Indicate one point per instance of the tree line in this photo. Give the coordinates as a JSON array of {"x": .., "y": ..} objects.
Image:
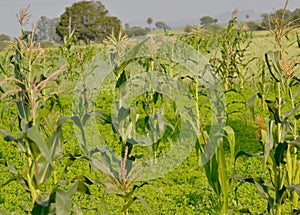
[{"x": 92, "y": 22}]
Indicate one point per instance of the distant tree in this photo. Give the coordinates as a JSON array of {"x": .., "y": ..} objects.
[
  {"x": 46, "y": 29},
  {"x": 161, "y": 25},
  {"x": 267, "y": 18},
  {"x": 287, "y": 14},
  {"x": 253, "y": 26},
  {"x": 136, "y": 31},
  {"x": 31, "y": 34},
  {"x": 296, "y": 16},
  {"x": 3, "y": 39},
  {"x": 126, "y": 25},
  {"x": 53, "y": 36},
  {"x": 42, "y": 28},
  {"x": 149, "y": 21},
  {"x": 208, "y": 20},
  {"x": 247, "y": 17},
  {"x": 90, "y": 21},
  {"x": 188, "y": 28}
]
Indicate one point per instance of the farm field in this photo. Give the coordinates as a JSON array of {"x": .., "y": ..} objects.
[{"x": 196, "y": 123}]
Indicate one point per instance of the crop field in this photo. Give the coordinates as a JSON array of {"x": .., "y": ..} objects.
[{"x": 169, "y": 123}]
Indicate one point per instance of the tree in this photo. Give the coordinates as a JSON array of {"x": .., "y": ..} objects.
[
  {"x": 3, "y": 39},
  {"x": 46, "y": 29},
  {"x": 268, "y": 19},
  {"x": 208, "y": 20},
  {"x": 188, "y": 28},
  {"x": 136, "y": 31},
  {"x": 161, "y": 25},
  {"x": 296, "y": 16},
  {"x": 89, "y": 20},
  {"x": 149, "y": 21}
]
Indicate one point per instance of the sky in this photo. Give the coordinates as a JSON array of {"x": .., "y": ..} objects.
[{"x": 136, "y": 12}]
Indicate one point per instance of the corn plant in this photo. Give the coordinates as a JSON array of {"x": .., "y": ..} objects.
[
  {"x": 200, "y": 39},
  {"x": 76, "y": 55},
  {"x": 120, "y": 176},
  {"x": 217, "y": 168},
  {"x": 121, "y": 182},
  {"x": 34, "y": 100},
  {"x": 231, "y": 64},
  {"x": 280, "y": 138}
]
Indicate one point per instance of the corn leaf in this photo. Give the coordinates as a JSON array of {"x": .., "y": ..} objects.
[
  {"x": 269, "y": 141},
  {"x": 63, "y": 200},
  {"x": 231, "y": 140}
]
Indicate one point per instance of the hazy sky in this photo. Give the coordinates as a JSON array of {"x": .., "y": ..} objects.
[{"x": 136, "y": 11}]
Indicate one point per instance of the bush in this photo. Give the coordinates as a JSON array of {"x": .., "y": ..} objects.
[
  {"x": 3, "y": 39},
  {"x": 48, "y": 44},
  {"x": 253, "y": 26},
  {"x": 136, "y": 31},
  {"x": 188, "y": 28}
]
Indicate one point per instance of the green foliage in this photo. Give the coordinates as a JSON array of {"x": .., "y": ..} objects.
[
  {"x": 280, "y": 137},
  {"x": 46, "y": 29},
  {"x": 136, "y": 31},
  {"x": 253, "y": 26},
  {"x": 31, "y": 97},
  {"x": 3, "y": 41},
  {"x": 89, "y": 20},
  {"x": 231, "y": 65},
  {"x": 255, "y": 168},
  {"x": 149, "y": 21},
  {"x": 161, "y": 25},
  {"x": 286, "y": 16},
  {"x": 208, "y": 20}
]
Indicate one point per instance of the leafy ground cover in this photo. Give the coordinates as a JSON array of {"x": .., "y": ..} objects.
[{"x": 51, "y": 162}]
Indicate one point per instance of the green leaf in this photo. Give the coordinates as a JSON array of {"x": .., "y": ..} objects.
[
  {"x": 34, "y": 134},
  {"x": 63, "y": 200},
  {"x": 279, "y": 153},
  {"x": 23, "y": 109},
  {"x": 77, "y": 122},
  {"x": 291, "y": 112},
  {"x": 103, "y": 117},
  {"x": 128, "y": 204},
  {"x": 40, "y": 209},
  {"x": 43, "y": 170},
  {"x": 251, "y": 103},
  {"x": 222, "y": 175},
  {"x": 212, "y": 174},
  {"x": 83, "y": 188},
  {"x": 296, "y": 142},
  {"x": 17, "y": 177},
  {"x": 295, "y": 188},
  {"x": 247, "y": 154},
  {"x": 2, "y": 212},
  {"x": 7, "y": 136},
  {"x": 273, "y": 109},
  {"x": 275, "y": 58},
  {"x": 77, "y": 210},
  {"x": 121, "y": 79},
  {"x": 144, "y": 202},
  {"x": 56, "y": 144},
  {"x": 269, "y": 141},
  {"x": 261, "y": 188},
  {"x": 231, "y": 141},
  {"x": 133, "y": 52}
]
